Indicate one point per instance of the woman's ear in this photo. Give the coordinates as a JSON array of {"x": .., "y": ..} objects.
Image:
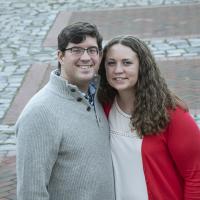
[{"x": 60, "y": 56}]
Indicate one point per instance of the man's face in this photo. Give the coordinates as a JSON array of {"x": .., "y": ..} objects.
[{"x": 80, "y": 69}]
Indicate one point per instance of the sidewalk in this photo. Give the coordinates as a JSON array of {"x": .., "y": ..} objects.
[
  {"x": 8, "y": 178},
  {"x": 27, "y": 50}
]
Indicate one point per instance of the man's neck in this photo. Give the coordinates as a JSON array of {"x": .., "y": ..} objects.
[{"x": 82, "y": 87}]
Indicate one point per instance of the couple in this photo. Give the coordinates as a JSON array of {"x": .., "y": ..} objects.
[{"x": 67, "y": 150}]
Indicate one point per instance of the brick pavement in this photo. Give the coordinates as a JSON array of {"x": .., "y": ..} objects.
[
  {"x": 8, "y": 179},
  {"x": 146, "y": 23},
  {"x": 25, "y": 46}
]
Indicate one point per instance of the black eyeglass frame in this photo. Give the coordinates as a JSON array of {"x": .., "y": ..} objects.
[{"x": 82, "y": 50}]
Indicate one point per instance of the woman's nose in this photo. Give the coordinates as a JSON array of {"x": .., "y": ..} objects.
[{"x": 118, "y": 68}]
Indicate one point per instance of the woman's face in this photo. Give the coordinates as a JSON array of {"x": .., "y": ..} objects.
[{"x": 122, "y": 67}]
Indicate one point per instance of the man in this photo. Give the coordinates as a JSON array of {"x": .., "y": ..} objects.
[{"x": 63, "y": 150}]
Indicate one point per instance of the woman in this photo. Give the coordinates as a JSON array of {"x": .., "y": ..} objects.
[{"x": 155, "y": 144}]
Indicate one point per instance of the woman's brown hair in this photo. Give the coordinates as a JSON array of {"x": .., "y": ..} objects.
[{"x": 153, "y": 99}]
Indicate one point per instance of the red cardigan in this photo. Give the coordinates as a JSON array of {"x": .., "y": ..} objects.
[{"x": 171, "y": 159}]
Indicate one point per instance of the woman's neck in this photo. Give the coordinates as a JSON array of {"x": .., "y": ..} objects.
[{"x": 126, "y": 102}]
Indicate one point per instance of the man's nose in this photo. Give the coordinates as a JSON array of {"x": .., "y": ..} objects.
[{"x": 85, "y": 56}]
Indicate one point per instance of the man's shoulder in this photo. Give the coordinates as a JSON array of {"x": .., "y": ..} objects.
[
  {"x": 39, "y": 98},
  {"x": 37, "y": 103}
]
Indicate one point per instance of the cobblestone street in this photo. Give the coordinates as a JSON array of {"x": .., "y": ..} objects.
[{"x": 25, "y": 26}]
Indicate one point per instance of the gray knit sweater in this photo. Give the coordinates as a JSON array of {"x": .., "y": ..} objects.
[{"x": 63, "y": 150}]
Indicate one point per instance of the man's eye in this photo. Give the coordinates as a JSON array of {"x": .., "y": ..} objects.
[
  {"x": 76, "y": 50},
  {"x": 92, "y": 51}
]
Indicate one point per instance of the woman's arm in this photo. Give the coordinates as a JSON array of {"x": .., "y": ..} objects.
[{"x": 184, "y": 146}]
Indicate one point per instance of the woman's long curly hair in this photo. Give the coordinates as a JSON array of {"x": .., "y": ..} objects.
[{"x": 153, "y": 99}]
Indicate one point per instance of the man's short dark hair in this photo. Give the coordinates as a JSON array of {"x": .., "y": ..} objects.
[{"x": 76, "y": 33}]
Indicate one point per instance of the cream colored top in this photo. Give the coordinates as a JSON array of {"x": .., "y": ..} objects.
[{"x": 126, "y": 154}]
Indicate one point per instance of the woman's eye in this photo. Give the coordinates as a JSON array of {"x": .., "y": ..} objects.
[
  {"x": 127, "y": 63},
  {"x": 110, "y": 63}
]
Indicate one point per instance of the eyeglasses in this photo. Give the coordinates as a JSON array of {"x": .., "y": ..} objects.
[{"x": 79, "y": 51}]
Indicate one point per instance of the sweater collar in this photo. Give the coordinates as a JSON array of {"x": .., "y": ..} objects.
[{"x": 62, "y": 86}]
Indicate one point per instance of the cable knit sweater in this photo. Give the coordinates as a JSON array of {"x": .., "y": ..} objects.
[{"x": 63, "y": 150}]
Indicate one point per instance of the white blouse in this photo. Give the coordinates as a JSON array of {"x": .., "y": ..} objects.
[{"x": 126, "y": 154}]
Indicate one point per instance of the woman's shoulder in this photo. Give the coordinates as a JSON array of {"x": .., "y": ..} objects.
[
  {"x": 179, "y": 113},
  {"x": 182, "y": 121}
]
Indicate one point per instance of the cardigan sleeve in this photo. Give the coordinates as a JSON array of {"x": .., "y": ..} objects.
[
  {"x": 106, "y": 108},
  {"x": 184, "y": 145},
  {"x": 37, "y": 149}
]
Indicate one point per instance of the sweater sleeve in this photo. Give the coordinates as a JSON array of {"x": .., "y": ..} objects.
[
  {"x": 184, "y": 145},
  {"x": 37, "y": 149}
]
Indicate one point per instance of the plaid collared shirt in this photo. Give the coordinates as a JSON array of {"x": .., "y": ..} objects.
[{"x": 91, "y": 93}]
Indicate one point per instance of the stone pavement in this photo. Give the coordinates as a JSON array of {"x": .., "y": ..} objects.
[{"x": 27, "y": 42}]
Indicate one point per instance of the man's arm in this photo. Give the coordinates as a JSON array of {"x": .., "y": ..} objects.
[{"x": 37, "y": 149}]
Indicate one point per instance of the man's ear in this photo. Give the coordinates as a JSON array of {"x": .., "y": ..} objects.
[{"x": 60, "y": 56}]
